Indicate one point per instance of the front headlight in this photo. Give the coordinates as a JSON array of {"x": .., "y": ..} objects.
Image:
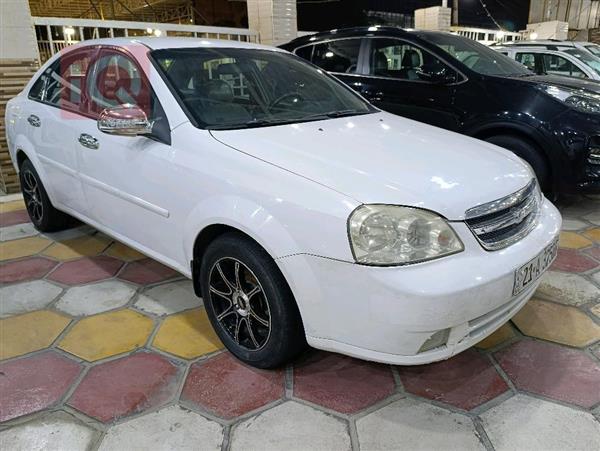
[
  {"x": 581, "y": 100},
  {"x": 385, "y": 235}
]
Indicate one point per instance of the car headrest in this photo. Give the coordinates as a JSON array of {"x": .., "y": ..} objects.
[
  {"x": 380, "y": 62},
  {"x": 411, "y": 59},
  {"x": 228, "y": 69},
  {"x": 217, "y": 90}
]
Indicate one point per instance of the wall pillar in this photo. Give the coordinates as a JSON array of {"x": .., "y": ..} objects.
[
  {"x": 275, "y": 20},
  {"x": 18, "y": 62}
]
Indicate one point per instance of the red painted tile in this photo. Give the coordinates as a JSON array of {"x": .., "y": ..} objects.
[
  {"x": 467, "y": 380},
  {"x": 85, "y": 270},
  {"x": 342, "y": 383},
  {"x": 28, "y": 269},
  {"x": 228, "y": 388},
  {"x": 146, "y": 271},
  {"x": 593, "y": 252},
  {"x": 14, "y": 217},
  {"x": 126, "y": 386},
  {"x": 554, "y": 371},
  {"x": 34, "y": 383},
  {"x": 572, "y": 261}
]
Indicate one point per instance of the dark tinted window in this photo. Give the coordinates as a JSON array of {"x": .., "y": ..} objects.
[
  {"x": 336, "y": 56},
  {"x": 305, "y": 52},
  {"x": 398, "y": 59},
  {"x": 36, "y": 90}
]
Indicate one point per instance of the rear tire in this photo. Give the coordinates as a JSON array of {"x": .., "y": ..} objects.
[
  {"x": 42, "y": 213},
  {"x": 529, "y": 153},
  {"x": 249, "y": 303}
]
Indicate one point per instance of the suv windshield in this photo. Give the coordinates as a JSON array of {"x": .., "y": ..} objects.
[
  {"x": 594, "y": 49},
  {"x": 586, "y": 58},
  {"x": 228, "y": 88},
  {"x": 476, "y": 56}
]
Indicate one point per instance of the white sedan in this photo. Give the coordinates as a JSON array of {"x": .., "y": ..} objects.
[{"x": 301, "y": 213}]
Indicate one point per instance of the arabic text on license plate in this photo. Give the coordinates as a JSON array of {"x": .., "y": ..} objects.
[{"x": 532, "y": 270}]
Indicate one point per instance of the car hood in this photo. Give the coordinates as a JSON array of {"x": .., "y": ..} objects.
[
  {"x": 382, "y": 158},
  {"x": 565, "y": 82}
]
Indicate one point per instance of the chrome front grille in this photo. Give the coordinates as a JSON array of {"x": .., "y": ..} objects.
[{"x": 505, "y": 221}]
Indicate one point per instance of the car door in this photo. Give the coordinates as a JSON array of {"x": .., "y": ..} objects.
[
  {"x": 124, "y": 176},
  {"x": 57, "y": 112},
  {"x": 407, "y": 80}
]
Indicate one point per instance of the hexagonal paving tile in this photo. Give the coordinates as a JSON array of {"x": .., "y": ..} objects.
[
  {"x": 13, "y": 217},
  {"x": 228, "y": 388},
  {"x": 86, "y": 270},
  {"x": 593, "y": 234},
  {"x": 22, "y": 248},
  {"x": 30, "y": 332},
  {"x": 73, "y": 232},
  {"x": 187, "y": 335},
  {"x": 553, "y": 371},
  {"x": 147, "y": 271},
  {"x": 596, "y": 310},
  {"x": 17, "y": 231},
  {"x": 593, "y": 217},
  {"x": 570, "y": 260},
  {"x": 95, "y": 298},
  {"x": 107, "y": 334},
  {"x": 558, "y": 323},
  {"x": 291, "y": 426},
  {"x": 574, "y": 225},
  {"x": 34, "y": 383},
  {"x": 572, "y": 240},
  {"x": 26, "y": 297},
  {"x": 83, "y": 246},
  {"x": 21, "y": 270},
  {"x": 568, "y": 289},
  {"x": 123, "y": 252},
  {"x": 342, "y": 383},
  {"x": 171, "y": 428},
  {"x": 467, "y": 380},
  {"x": 13, "y": 205},
  {"x": 57, "y": 431},
  {"x": 414, "y": 425},
  {"x": 126, "y": 386},
  {"x": 169, "y": 298},
  {"x": 504, "y": 333},
  {"x": 593, "y": 252},
  {"x": 526, "y": 423}
]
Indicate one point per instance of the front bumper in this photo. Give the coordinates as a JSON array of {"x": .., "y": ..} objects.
[{"x": 387, "y": 314}]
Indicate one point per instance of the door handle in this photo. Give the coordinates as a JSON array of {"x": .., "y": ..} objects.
[
  {"x": 34, "y": 120},
  {"x": 88, "y": 141}
]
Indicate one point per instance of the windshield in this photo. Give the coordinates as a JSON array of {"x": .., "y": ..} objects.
[
  {"x": 594, "y": 49},
  {"x": 476, "y": 56},
  {"x": 227, "y": 88},
  {"x": 589, "y": 60}
]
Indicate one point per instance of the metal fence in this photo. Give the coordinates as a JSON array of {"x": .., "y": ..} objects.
[{"x": 54, "y": 34}]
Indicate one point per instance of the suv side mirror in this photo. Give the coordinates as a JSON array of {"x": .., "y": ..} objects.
[
  {"x": 436, "y": 75},
  {"x": 124, "y": 120}
]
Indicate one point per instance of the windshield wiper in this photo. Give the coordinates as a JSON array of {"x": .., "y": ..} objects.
[
  {"x": 251, "y": 124},
  {"x": 335, "y": 114}
]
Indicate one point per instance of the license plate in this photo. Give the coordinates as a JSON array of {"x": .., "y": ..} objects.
[{"x": 534, "y": 268}]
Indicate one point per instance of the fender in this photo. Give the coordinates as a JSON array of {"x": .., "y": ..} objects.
[
  {"x": 531, "y": 131},
  {"x": 243, "y": 214}
]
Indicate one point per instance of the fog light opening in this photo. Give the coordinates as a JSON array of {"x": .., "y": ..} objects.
[{"x": 437, "y": 340}]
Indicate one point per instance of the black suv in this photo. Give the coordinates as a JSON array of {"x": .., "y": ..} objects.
[{"x": 456, "y": 83}]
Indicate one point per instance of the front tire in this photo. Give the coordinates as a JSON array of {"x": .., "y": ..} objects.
[
  {"x": 42, "y": 213},
  {"x": 530, "y": 154},
  {"x": 249, "y": 303}
]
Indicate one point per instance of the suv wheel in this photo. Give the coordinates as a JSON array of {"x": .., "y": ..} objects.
[
  {"x": 249, "y": 303},
  {"x": 43, "y": 215},
  {"x": 528, "y": 153}
]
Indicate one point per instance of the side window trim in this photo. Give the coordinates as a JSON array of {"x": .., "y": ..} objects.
[
  {"x": 80, "y": 111},
  {"x": 414, "y": 44}
]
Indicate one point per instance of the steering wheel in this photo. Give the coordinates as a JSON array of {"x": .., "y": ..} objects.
[{"x": 285, "y": 96}]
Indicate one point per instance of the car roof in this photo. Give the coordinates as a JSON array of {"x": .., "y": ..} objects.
[
  {"x": 373, "y": 30},
  {"x": 155, "y": 43}
]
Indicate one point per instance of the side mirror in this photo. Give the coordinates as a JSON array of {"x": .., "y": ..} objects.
[
  {"x": 439, "y": 76},
  {"x": 124, "y": 120}
]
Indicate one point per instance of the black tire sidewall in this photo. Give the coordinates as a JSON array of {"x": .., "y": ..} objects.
[
  {"x": 528, "y": 153},
  {"x": 287, "y": 338},
  {"x": 43, "y": 224}
]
